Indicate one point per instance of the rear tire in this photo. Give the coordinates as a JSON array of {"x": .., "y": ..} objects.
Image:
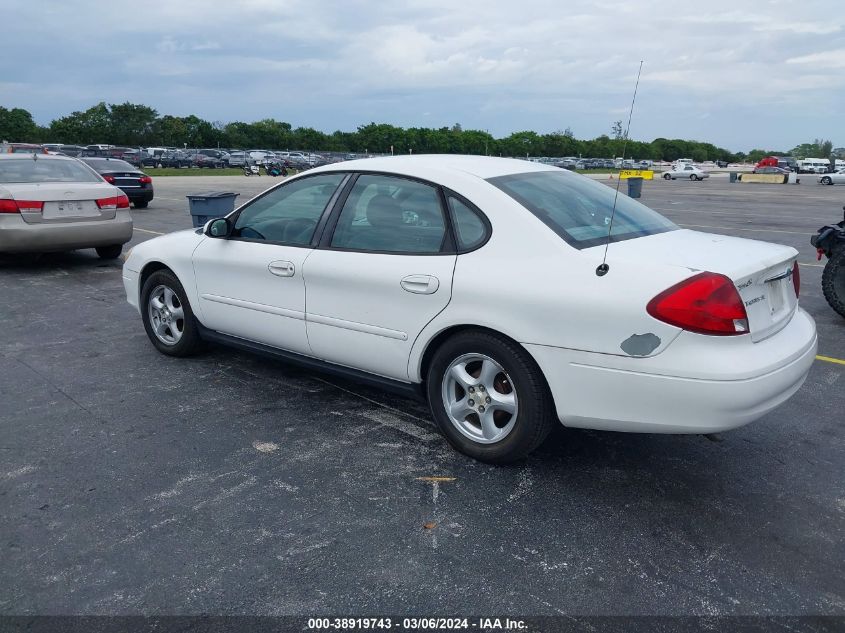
[
  {"x": 512, "y": 410},
  {"x": 142, "y": 204},
  {"x": 667, "y": 177},
  {"x": 109, "y": 252},
  {"x": 833, "y": 281},
  {"x": 168, "y": 317}
]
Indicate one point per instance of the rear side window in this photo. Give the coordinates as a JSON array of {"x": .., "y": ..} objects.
[
  {"x": 470, "y": 229},
  {"x": 579, "y": 209},
  {"x": 45, "y": 170},
  {"x": 391, "y": 214}
]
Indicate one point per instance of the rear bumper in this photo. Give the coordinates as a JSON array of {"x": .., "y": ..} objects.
[
  {"x": 16, "y": 236},
  {"x": 613, "y": 393},
  {"x": 139, "y": 195}
]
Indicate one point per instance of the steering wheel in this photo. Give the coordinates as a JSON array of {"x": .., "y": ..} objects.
[
  {"x": 251, "y": 233},
  {"x": 297, "y": 228}
]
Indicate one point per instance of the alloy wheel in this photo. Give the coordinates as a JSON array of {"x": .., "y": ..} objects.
[
  {"x": 479, "y": 398},
  {"x": 167, "y": 316}
]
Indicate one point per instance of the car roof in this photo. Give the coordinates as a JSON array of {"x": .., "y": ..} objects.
[
  {"x": 430, "y": 166},
  {"x": 20, "y": 156}
]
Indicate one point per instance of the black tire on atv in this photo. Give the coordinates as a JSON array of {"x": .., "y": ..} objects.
[{"x": 833, "y": 281}]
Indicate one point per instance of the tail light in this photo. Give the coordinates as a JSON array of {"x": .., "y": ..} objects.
[
  {"x": 796, "y": 279},
  {"x": 109, "y": 179},
  {"x": 117, "y": 202},
  {"x": 707, "y": 303},
  {"x": 145, "y": 180},
  {"x": 21, "y": 206}
]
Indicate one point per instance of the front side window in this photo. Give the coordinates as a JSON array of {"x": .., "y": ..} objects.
[
  {"x": 391, "y": 214},
  {"x": 290, "y": 213},
  {"x": 33, "y": 170},
  {"x": 579, "y": 209}
]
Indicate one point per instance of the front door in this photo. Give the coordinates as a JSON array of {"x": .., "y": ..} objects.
[
  {"x": 382, "y": 275},
  {"x": 250, "y": 284}
]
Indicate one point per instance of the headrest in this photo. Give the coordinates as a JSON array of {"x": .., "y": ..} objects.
[{"x": 384, "y": 211}]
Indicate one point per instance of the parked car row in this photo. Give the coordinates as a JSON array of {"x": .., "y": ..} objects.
[
  {"x": 156, "y": 157},
  {"x": 596, "y": 163}
]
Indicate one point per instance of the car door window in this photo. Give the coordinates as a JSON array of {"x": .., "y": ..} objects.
[
  {"x": 391, "y": 214},
  {"x": 470, "y": 229},
  {"x": 289, "y": 214}
]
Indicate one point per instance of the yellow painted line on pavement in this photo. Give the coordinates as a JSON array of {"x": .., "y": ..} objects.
[
  {"x": 828, "y": 359},
  {"x": 435, "y": 479},
  {"x": 147, "y": 231}
]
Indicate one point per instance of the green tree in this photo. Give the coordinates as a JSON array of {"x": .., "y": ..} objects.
[
  {"x": 616, "y": 130},
  {"x": 17, "y": 125},
  {"x": 131, "y": 124}
]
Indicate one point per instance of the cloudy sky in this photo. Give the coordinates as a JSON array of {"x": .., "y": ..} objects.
[{"x": 739, "y": 73}]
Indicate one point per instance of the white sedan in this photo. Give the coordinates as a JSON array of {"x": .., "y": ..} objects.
[
  {"x": 478, "y": 283},
  {"x": 685, "y": 171},
  {"x": 836, "y": 178}
]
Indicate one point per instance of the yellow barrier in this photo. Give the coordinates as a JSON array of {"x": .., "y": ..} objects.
[
  {"x": 772, "y": 179},
  {"x": 645, "y": 174}
]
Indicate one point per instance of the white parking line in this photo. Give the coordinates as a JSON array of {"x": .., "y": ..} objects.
[
  {"x": 733, "y": 228},
  {"x": 147, "y": 231}
]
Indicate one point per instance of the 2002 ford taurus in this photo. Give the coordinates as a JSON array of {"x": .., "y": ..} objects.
[{"x": 479, "y": 283}]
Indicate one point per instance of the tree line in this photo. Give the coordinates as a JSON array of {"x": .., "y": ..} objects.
[{"x": 133, "y": 125}]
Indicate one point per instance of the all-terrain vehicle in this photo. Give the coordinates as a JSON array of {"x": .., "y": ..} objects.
[{"x": 830, "y": 241}]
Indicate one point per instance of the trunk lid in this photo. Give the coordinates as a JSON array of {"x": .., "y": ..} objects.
[
  {"x": 761, "y": 272},
  {"x": 64, "y": 201}
]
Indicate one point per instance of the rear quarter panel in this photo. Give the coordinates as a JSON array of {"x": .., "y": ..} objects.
[{"x": 530, "y": 285}]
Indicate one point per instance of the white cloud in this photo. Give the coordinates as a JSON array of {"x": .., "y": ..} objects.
[{"x": 733, "y": 73}]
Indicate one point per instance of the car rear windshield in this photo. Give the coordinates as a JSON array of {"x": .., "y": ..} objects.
[
  {"x": 103, "y": 165},
  {"x": 44, "y": 170},
  {"x": 579, "y": 209}
]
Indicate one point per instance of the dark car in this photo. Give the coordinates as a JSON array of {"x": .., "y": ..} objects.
[
  {"x": 770, "y": 170},
  {"x": 71, "y": 150},
  {"x": 137, "y": 186},
  {"x": 173, "y": 158},
  {"x": 210, "y": 158}
]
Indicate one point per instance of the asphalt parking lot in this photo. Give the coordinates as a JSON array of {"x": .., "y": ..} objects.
[{"x": 134, "y": 483}]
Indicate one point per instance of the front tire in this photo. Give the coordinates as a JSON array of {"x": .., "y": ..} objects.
[
  {"x": 489, "y": 397},
  {"x": 833, "y": 281},
  {"x": 667, "y": 177},
  {"x": 109, "y": 252},
  {"x": 167, "y": 315},
  {"x": 827, "y": 180}
]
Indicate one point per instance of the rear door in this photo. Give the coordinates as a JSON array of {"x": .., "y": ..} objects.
[{"x": 380, "y": 275}]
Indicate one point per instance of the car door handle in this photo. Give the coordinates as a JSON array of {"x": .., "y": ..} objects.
[
  {"x": 420, "y": 284},
  {"x": 281, "y": 269}
]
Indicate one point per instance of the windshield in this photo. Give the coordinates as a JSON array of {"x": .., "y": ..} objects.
[
  {"x": 28, "y": 170},
  {"x": 578, "y": 209}
]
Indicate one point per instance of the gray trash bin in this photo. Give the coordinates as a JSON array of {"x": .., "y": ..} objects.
[
  {"x": 733, "y": 175},
  {"x": 635, "y": 187},
  {"x": 208, "y": 205}
]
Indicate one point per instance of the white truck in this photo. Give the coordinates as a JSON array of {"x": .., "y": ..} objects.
[{"x": 813, "y": 166}]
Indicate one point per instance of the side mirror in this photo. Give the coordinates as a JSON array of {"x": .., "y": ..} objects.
[{"x": 219, "y": 227}]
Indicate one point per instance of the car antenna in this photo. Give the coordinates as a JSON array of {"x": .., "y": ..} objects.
[{"x": 603, "y": 268}]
